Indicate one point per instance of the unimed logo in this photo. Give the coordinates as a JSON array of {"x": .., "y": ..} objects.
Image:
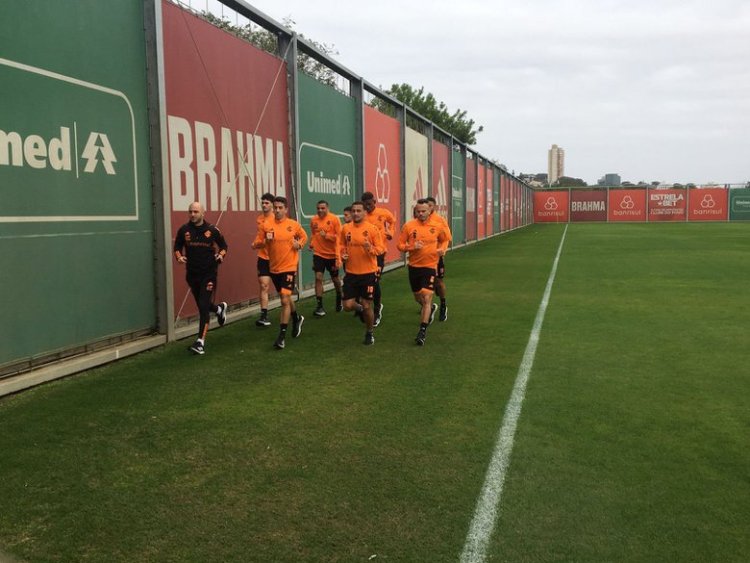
[
  {"x": 36, "y": 152},
  {"x": 67, "y": 148}
]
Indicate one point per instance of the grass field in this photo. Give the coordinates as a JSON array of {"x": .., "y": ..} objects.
[{"x": 633, "y": 443}]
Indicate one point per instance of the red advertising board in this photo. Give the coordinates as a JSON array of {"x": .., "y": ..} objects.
[
  {"x": 471, "y": 199},
  {"x": 707, "y": 204},
  {"x": 506, "y": 200},
  {"x": 481, "y": 197},
  {"x": 667, "y": 205},
  {"x": 227, "y": 123},
  {"x": 627, "y": 205},
  {"x": 516, "y": 205},
  {"x": 490, "y": 185},
  {"x": 551, "y": 207},
  {"x": 503, "y": 202},
  {"x": 383, "y": 168},
  {"x": 588, "y": 205},
  {"x": 441, "y": 178}
]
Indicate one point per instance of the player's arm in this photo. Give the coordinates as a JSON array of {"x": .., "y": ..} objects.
[
  {"x": 389, "y": 224},
  {"x": 300, "y": 237},
  {"x": 342, "y": 248},
  {"x": 378, "y": 246},
  {"x": 260, "y": 238},
  {"x": 442, "y": 242},
  {"x": 221, "y": 243},
  {"x": 403, "y": 240},
  {"x": 179, "y": 246}
]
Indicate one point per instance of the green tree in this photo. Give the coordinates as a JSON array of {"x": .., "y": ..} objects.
[
  {"x": 456, "y": 123},
  {"x": 568, "y": 182},
  {"x": 268, "y": 41}
]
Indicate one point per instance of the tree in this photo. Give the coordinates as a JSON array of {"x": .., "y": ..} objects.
[
  {"x": 456, "y": 123},
  {"x": 268, "y": 41},
  {"x": 568, "y": 182}
]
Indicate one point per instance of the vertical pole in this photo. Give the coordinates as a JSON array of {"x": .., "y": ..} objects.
[
  {"x": 431, "y": 138},
  {"x": 401, "y": 115},
  {"x": 356, "y": 90},
  {"x": 287, "y": 46},
  {"x": 159, "y": 153}
]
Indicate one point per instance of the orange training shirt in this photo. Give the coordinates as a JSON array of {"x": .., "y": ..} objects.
[
  {"x": 383, "y": 220},
  {"x": 442, "y": 221},
  {"x": 432, "y": 236},
  {"x": 325, "y": 235},
  {"x": 262, "y": 252},
  {"x": 352, "y": 241},
  {"x": 279, "y": 237}
]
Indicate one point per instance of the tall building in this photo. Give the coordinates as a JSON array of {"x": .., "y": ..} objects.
[{"x": 555, "y": 164}]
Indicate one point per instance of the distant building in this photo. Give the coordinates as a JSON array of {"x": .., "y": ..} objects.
[
  {"x": 612, "y": 180},
  {"x": 555, "y": 164}
]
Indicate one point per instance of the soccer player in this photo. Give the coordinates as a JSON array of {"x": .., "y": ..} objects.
[
  {"x": 360, "y": 243},
  {"x": 201, "y": 247},
  {"x": 283, "y": 239},
  {"x": 426, "y": 243},
  {"x": 439, "y": 220},
  {"x": 348, "y": 214},
  {"x": 385, "y": 222},
  {"x": 264, "y": 273},
  {"x": 325, "y": 228}
]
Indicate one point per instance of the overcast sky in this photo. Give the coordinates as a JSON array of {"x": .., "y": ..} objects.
[{"x": 649, "y": 89}]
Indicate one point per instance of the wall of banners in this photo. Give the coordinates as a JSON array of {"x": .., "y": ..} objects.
[{"x": 695, "y": 204}]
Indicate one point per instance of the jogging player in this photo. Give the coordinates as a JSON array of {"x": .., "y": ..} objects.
[
  {"x": 201, "y": 247},
  {"x": 426, "y": 243},
  {"x": 385, "y": 222},
  {"x": 264, "y": 273},
  {"x": 348, "y": 214},
  {"x": 360, "y": 243},
  {"x": 441, "y": 221},
  {"x": 325, "y": 228},
  {"x": 283, "y": 239}
]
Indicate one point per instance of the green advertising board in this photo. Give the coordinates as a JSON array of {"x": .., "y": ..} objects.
[
  {"x": 76, "y": 223},
  {"x": 739, "y": 204},
  {"x": 327, "y": 153},
  {"x": 458, "y": 197}
]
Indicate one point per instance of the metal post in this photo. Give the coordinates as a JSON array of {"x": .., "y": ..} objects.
[{"x": 159, "y": 152}]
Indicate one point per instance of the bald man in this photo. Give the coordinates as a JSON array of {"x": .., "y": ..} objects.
[{"x": 201, "y": 247}]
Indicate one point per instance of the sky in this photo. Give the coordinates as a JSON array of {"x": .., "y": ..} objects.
[{"x": 653, "y": 90}]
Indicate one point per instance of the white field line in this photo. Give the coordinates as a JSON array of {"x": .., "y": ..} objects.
[{"x": 483, "y": 522}]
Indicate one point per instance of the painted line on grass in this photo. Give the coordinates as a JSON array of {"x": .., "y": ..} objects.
[{"x": 483, "y": 522}]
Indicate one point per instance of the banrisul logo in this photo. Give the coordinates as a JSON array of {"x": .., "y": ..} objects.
[{"x": 67, "y": 148}]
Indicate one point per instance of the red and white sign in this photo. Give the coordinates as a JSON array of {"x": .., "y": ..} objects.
[
  {"x": 627, "y": 205},
  {"x": 551, "y": 207},
  {"x": 707, "y": 204},
  {"x": 227, "y": 132},
  {"x": 383, "y": 168},
  {"x": 667, "y": 205},
  {"x": 588, "y": 205}
]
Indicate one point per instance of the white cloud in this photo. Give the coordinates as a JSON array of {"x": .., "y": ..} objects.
[{"x": 648, "y": 89}]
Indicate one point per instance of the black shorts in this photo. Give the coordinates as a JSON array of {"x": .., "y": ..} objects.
[
  {"x": 441, "y": 269},
  {"x": 284, "y": 282},
  {"x": 321, "y": 264},
  {"x": 381, "y": 265},
  {"x": 264, "y": 267},
  {"x": 422, "y": 279},
  {"x": 360, "y": 285}
]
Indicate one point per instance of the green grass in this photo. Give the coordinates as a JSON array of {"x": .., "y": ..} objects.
[{"x": 632, "y": 443}]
